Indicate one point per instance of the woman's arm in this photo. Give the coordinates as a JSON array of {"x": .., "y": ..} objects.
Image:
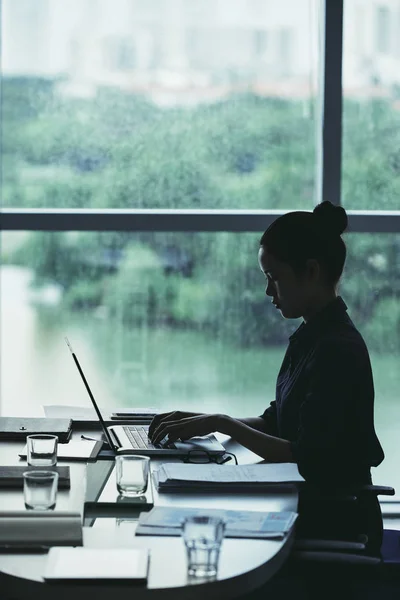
[
  {"x": 267, "y": 422},
  {"x": 254, "y": 422},
  {"x": 270, "y": 448}
]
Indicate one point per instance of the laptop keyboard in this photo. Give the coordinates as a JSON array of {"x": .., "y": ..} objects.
[{"x": 138, "y": 437}]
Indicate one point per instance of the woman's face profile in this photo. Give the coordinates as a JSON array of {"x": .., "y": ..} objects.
[{"x": 288, "y": 292}]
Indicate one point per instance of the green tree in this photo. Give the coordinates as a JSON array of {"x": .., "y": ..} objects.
[{"x": 119, "y": 150}]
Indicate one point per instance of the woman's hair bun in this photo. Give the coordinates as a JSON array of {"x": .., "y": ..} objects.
[{"x": 330, "y": 217}]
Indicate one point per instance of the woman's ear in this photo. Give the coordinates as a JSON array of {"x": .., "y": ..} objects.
[{"x": 313, "y": 270}]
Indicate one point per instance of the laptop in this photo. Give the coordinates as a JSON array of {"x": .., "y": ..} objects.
[{"x": 135, "y": 437}]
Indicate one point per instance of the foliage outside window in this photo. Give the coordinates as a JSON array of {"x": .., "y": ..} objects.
[{"x": 123, "y": 119}]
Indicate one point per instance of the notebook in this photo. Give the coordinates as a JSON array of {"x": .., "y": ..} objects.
[
  {"x": 134, "y": 438},
  {"x": 69, "y": 564},
  {"x": 17, "y": 428}
]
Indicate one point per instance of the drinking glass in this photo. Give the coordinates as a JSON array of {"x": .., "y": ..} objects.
[
  {"x": 40, "y": 489},
  {"x": 132, "y": 474},
  {"x": 42, "y": 450},
  {"x": 203, "y": 536}
]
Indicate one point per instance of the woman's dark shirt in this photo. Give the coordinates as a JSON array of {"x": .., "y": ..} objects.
[{"x": 325, "y": 401}]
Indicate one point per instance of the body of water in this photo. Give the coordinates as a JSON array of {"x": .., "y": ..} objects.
[
  {"x": 164, "y": 368},
  {"x": 125, "y": 367}
]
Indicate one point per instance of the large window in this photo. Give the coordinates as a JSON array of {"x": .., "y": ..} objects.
[
  {"x": 371, "y": 105},
  {"x": 161, "y": 319},
  {"x": 188, "y": 126},
  {"x": 371, "y": 289},
  {"x": 174, "y": 320},
  {"x": 149, "y": 108}
]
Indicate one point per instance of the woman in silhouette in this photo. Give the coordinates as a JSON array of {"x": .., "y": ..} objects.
[{"x": 322, "y": 417}]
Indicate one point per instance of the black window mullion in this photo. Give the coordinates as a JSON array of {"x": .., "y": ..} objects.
[
  {"x": 175, "y": 220},
  {"x": 331, "y": 136}
]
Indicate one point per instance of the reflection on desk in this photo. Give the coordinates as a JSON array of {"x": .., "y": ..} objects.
[{"x": 244, "y": 563}]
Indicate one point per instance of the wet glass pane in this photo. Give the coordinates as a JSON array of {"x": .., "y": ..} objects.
[
  {"x": 159, "y": 103},
  {"x": 175, "y": 320},
  {"x": 371, "y": 105},
  {"x": 157, "y": 319},
  {"x": 371, "y": 288}
]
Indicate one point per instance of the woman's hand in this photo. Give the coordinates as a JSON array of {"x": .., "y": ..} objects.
[
  {"x": 187, "y": 427},
  {"x": 175, "y": 415}
]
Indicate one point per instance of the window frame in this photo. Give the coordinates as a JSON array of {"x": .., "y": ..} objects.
[{"x": 46, "y": 219}]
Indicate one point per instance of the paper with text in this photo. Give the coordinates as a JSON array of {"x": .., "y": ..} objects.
[{"x": 212, "y": 473}]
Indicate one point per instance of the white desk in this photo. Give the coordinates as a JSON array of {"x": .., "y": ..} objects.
[{"x": 244, "y": 564}]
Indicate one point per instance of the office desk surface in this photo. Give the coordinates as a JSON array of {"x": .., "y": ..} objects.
[{"x": 244, "y": 564}]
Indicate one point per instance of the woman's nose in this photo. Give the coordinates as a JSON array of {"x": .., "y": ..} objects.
[{"x": 269, "y": 290}]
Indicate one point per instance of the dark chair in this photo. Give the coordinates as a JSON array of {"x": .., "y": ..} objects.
[
  {"x": 325, "y": 569},
  {"x": 343, "y": 568}
]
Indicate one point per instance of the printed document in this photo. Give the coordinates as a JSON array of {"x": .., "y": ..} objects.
[
  {"x": 235, "y": 474},
  {"x": 251, "y": 524}
]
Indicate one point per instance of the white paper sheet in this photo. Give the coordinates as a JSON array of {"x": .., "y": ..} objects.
[
  {"x": 97, "y": 563},
  {"x": 59, "y": 411},
  {"x": 212, "y": 473}
]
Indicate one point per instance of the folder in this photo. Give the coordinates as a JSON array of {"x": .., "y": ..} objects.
[
  {"x": 17, "y": 428},
  {"x": 165, "y": 520}
]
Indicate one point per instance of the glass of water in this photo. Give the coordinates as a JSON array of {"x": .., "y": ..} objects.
[
  {"x": 42, "y": 450},
  {"x": 132, "y": 474},
  {"x": 40, "y": 489},
  {"x": 203, "y": 536}
]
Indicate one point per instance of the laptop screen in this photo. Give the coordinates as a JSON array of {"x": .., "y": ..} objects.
[{"x": 96, "y": 408}]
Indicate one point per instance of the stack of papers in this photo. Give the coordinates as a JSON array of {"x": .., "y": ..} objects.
[
  {"x": 238, "y": 524},
  {"x": 209, "y": 477}
]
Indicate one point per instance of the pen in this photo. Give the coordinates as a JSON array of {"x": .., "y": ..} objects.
[{"x": 85, "y": 437}]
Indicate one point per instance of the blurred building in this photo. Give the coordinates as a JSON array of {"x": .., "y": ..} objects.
[
  {"x": 25, "y": 33},
  {"x": 187, "y": 51},
  {"x": 371, "y": 44}
]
